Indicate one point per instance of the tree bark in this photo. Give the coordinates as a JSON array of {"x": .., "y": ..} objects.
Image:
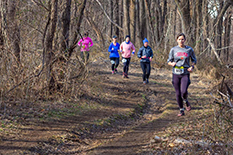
[
  {"x": 142, "y": 21},
  {"x": 184, "y": 11},
  {"x": 79, "y": 21},
  {"x": 199, "y": 26},
  {"x": 65, "y": 26},
  {"x": 117, "y": 19},
  {"x": 10, "y": 27},
  {"x": 49, "y": 42},
  {"x": 126, "y": 17},
  {"x": 132, "y": 10},
  {"x": 151, "y": 27},
  {"x": 227, "y": 38},
  {"x": 111, "y": 10}
]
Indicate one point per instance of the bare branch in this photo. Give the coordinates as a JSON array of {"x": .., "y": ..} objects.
[
  {"x": 40, "y": 4},
  {"x": 108, "y": 16},
  {"x": 214, "y": 50}
]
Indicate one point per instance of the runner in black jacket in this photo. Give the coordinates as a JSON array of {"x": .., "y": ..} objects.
[{"x": 145, "y": 54}]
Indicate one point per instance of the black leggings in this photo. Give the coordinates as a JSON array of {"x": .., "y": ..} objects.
[
  {"x": 115, "y": 63},
  {"x": 145, "y": 69},
  {"x": 85, "y": 55},
  {"x": 126, "y": 62},
  {"x": 181, "y": 84}
]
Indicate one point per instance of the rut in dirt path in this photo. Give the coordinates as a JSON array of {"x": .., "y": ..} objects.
[{"x": 160, "y": 93}]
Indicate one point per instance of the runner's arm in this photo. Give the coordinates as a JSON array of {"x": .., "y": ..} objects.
[
  {"x": 170, "y": 60},
  {"x": 110, "y": 48},
  {"x": 80, "y": 41},
  {"x": 139, "y": 53},
  {"x": 91, "y": 42}
]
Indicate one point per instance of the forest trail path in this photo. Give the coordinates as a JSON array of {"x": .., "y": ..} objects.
[
  {"x": 120, "y": 115},
  {"x": 161, "y": 112}
]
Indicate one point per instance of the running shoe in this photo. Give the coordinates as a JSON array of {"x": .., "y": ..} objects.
[
  {"x": 181, "y": 113},
  {"x": 116, "y": 70},
  {"x": 144, "y": 82},
  {"x": 113, "y": 72},
  {"x": 188, "y": 106},
  {"x": 147, "y": 80}
]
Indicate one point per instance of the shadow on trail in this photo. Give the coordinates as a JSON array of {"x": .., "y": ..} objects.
[{"x": 139, "y": 135}]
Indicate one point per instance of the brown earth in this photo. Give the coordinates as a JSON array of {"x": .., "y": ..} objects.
[{"x": 113, "y": 116}]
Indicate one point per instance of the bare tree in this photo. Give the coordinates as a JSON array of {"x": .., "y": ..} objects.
[
  {"x": 10, "y": 27},
  {"x": 126, "y": 17},
  {"x": 53, "y": 5},
  {"x": 64, "y": 39}
]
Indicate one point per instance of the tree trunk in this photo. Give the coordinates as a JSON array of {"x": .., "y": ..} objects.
[
  {"x": 79, "y": 21},
  {"x": 10, "y": 27},
  {"x": 65, "y": 26},
  {"x": 111, "y": 10},
  {"x": 126, "y": 17},
  {"x": 97, "y": 30},
  {"x": 132, "y": 19},
  {"x": 227, "y": 38},
  {"x": 117, "y": 19},
  {"x": 158, "y": 21},
  {"x": 219, "y": 30},
  {"x": 184, "y": 10},
  {"x": 151, "y": 26},
  {"x": 175, "y": 17},
  {"x": 199, "y": 26},
  {"x": 49, "y": 43},
  {"x": 142, "y": 21}
]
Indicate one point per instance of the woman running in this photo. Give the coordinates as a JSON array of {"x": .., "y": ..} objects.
[
  {"x": 86, "y": 43},
  {"x": 126, "y": 48},
  {"x": 145, "y": 54},
  {"x": 114, "y": 55},
  {"x": 179, "y": 58}
]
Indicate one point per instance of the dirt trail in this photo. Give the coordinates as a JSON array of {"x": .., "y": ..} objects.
[
  {"x": 103, "y": 132},
  {"x": 160, "y": 93}
]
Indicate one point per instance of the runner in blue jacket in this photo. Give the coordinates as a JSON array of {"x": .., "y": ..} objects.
[
  {"x": 145, "y": 54},
  {"x": 114, "y": 55}
]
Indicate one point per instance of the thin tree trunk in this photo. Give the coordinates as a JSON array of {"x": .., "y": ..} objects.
[
  {"x": 65, "y": 26},
  {"x": 97, "y": 30},
  {"x": 151, "y": 27},
  {"x": 142, "y": 17},
  {"x": 111, "y": 10},
  {"x": 10, "y": 27},
  {"x": 199, "y": 26},
  {"x": 227, "y": 38},
  {"x": 132, "y": 19},
  {"x": 117, "y": 19},
  {"x": 175, "y": 17},
  {"x": 79, "y": 21},
  {"x": 126, "y": 17},
  {"x": 49, "y": 42}
]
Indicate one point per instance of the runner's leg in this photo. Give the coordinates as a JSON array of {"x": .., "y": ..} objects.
[
  {"x": 176, "y": 81},
  {"x": 148, "y": 69},
  {"x": 143, "y": 66},
  {"x": 117, "y": 62},
  {"x": 127, "y": 66},
  {"x": 185, "y": 82}
]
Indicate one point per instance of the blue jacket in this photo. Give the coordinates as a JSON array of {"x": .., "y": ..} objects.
[
  {"x": 114, "y": 50},
  {"x": 145, "y": 51}
]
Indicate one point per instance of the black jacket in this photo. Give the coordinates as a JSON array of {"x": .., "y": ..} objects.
[{"x": 145, "y": 51}]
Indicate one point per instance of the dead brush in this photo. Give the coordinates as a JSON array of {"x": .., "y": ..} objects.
[{"x": 26, "y": 82}]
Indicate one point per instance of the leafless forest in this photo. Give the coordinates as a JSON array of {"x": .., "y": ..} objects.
[
  {"x": 38, "y": 37},
  {"x": 40, "y": 63}
]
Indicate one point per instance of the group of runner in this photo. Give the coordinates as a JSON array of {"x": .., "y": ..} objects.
[{"x": 179, "y": 58}]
